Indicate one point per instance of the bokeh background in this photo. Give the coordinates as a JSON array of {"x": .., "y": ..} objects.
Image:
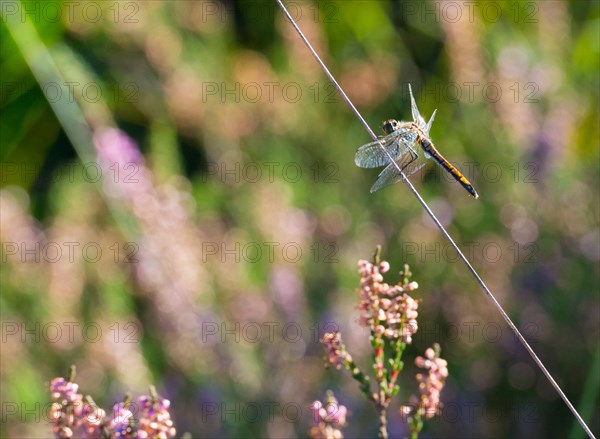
[{"x": 230, "y": 215}]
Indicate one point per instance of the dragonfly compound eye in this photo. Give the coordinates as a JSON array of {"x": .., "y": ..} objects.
[{"x": 389, "y": 126}]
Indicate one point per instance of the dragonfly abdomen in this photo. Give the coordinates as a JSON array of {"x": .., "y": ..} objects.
[{"x": 429, "y": 149}]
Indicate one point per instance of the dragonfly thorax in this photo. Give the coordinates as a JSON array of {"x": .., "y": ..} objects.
[{"x": 390, "y": 125}]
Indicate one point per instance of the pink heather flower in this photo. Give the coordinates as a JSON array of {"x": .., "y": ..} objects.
[
  {"x": 122, "y": 164},
  {"x": 121, "y": 422},
  {"x": 67, "y": 409},
  {"x": 432, "y": 382},
  {"x": 61, "y": 389},
  {"x": 93, "y": 420},
  {"x": 114, "y": 146},
  {"x": 155, "y": 420},
  {"x": 336, "y": 351},
  {"x": 332, "y": 413},
  {"x": 387, "y": 309},
  {"x": 412, "y": 286},
  {"x": 71, "y": 417},
  {"x": 328, "y": 418}
]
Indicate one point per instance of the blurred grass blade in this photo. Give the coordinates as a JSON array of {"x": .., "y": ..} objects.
[
  {"x": 45, "y": 71},
  {"x": 591, "y": 391},
  {"x": 68, "y": 112}
]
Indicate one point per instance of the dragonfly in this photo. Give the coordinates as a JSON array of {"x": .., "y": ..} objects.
[{"x": 406, "y": 146}]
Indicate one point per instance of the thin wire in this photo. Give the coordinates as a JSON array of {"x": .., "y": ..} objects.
[{"x": 442, "y": 229}]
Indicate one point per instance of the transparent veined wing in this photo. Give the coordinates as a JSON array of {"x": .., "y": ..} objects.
[
  {"x": 372, "y": 156},
  {"x": 410, "y": 162}
]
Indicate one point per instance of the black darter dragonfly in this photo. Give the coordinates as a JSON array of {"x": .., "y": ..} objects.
[{"x": 408, "y": 144}]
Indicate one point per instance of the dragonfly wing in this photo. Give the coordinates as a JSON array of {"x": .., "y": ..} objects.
[
  {"x": 372, "y": 155},
  {"x": 409, "y": 164},
  {"x": 388, "y": 176}
]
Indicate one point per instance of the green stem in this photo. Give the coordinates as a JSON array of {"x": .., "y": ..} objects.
[
  {"x": 377, "y": 255},
  {"x": 416, "y": 424},
  {"x": 358, "y": 375},
  {"x": 71, "y": 374},
  {"x": 383, "y": 434},
  {"x": 153, "y": 393}
]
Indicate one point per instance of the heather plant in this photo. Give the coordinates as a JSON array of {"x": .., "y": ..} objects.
[
  {"x": 390, "y": 312},
  {"x": 72, "y": 415},
  {"x": 431, "y": 383}
]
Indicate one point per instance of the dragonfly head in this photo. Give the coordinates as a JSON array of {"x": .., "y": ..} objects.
[{"x": 391, "y": 125}]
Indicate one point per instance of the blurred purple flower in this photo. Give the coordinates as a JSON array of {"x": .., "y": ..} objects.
[
  {"x": 113, "y": 145},
  {"x": 93, "y": 420},
  {"x": 169, "y": 261},
  {"x": 67, "y": 408},
  {"x": 329, "y": 417},
  {"x": 122, "y": 164},
  {"x": 120, "y": 424},
  {"x": 155, "y": 419}
]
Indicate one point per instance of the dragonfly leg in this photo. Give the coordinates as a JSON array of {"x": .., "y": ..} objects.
[{"x": 413, "y": 156}]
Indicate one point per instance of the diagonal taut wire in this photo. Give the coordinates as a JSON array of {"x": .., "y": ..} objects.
[{"x": 441, "y": 227}]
